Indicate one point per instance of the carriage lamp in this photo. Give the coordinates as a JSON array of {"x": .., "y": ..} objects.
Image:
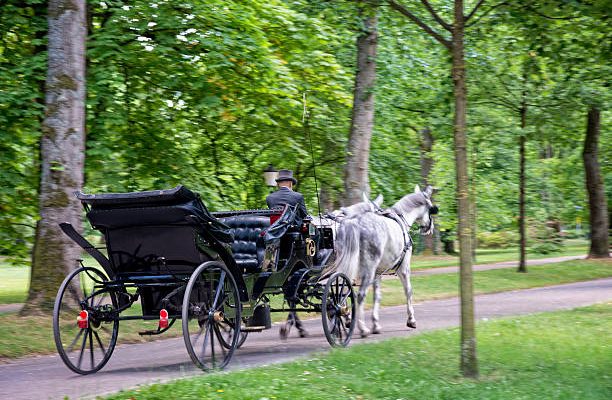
[
  {"x": 270, "y": 175},
  {"x": 163, "y": 318},
  {"x": 83, "y": 319}
]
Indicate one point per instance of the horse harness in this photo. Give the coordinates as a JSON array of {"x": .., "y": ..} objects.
[{"x": 399, "y": 218}]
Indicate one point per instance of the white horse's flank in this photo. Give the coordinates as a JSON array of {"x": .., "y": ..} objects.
[{"x": 370, "y": 244}]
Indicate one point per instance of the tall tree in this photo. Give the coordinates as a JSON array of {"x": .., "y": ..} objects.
[
  {"x": 469, "y": 362},
  {"x": 426, "y": 161},
  {"x": 62, "y": 152},
  {"x": 598, "y": 205},
  {"x": 362, "y": 120}
]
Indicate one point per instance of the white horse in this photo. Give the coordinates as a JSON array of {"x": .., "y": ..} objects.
[
  {"x": 371, "y": 244},
  {"x": 331, "y": 220}
]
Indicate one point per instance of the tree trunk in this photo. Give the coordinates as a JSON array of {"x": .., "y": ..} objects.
[
  {"x": 473, "y": 209},
  {"x": 62, "y": 153},
  {"x": 469, "y": 362},
  {"x": 598, "y": 205},
  {"x": 427, "y": 161},
  {"x": 362, "y": 120},
  {"x": 522, "y": 267}
]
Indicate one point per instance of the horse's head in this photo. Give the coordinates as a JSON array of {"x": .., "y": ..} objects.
[{"x": 424, "y": 215}]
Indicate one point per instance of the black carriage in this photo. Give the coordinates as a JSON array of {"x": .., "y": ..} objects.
[{"x": 165, "y": 252}]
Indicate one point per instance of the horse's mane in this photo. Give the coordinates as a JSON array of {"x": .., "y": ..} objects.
[{"x": 410, "y": 201}]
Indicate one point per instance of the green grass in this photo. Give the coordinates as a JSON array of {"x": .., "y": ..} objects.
[
  {"x": 21, "y": 336},
  {"x": 427, "y": 287},
  {"x": 572, "y": 247},
  {"x": 14, "y": 283},
  {"x": 562, "y": 355}
]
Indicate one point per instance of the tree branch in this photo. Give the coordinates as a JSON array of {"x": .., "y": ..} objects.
[
  {"x": 549, "y": 17},
  {"x": 433, "y": 13},
  {"x": 503, "y": 3},
  {"x": 476, "y": 7},
  {"x": 402, "y": 10}
]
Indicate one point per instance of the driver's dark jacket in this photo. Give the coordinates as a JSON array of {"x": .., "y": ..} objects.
[{"x": 285, "y": 196}]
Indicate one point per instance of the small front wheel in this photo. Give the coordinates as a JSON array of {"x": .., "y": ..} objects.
[
  {"x": 338, "y": 309},
  {"x": 211, "y": 316},
  {"x": 85, "y": 321}
]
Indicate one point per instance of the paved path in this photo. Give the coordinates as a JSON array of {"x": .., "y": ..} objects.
[
  {"x": 4, "y": 308},
  {"x": 45, "y": 377}
]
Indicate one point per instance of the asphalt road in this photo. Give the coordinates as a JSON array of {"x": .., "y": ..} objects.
[{"x": 46, "y": 377}]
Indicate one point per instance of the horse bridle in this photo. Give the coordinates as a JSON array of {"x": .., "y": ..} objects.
[{"x": 433, "y": 210}]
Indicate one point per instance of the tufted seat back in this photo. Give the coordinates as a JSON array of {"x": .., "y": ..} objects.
[{"x": 247, "y": 231}]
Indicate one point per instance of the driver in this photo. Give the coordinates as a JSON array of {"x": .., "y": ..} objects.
[{"x": 285, "y": 194}]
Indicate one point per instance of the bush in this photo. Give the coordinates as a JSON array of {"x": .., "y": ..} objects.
[
  {"x": 545, "y": 237},
  {"x": 497, "y": 240}
]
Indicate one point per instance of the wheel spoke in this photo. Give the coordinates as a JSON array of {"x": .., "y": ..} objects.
[
  {"x": 218, "y": 290},
  {"x": 99, "y": 342},
  {"x": 212, "y": 345},
  {"x": 69, "y": 348},
  {"x": 91, "y": 348},
  {"x": 207, "y": 330},
  {"x": 82, "y": 350}
]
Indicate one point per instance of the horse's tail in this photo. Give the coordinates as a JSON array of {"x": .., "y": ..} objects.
[{"x": 347, "y": 248}]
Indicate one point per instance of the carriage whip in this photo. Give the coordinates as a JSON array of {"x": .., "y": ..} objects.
[{"x": 305, "y": 122}]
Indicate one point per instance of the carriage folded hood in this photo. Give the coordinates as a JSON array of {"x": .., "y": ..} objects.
[{"x": 156, "y": 207}]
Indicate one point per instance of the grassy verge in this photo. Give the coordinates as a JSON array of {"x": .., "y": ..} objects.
[
  {"x": 21, "y": 336},
  {"x": 14, "y": 283},
  {"x": 572, "y": 247},
  {"x": 534, "y": 357},
  {"x": 499, "y": 280}
]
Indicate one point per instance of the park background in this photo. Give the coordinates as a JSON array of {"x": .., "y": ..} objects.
[{"x": 210, "y": 93}]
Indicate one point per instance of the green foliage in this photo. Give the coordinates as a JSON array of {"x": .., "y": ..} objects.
[
  {"x": 208, "y": 93},
  {"x": 497, "y": 240},
  {"x": 22, "y": 75},
  {"x": 545, "y": 238}
]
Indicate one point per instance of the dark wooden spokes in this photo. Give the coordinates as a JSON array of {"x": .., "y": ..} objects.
[
  {"x": 338, "y": 308},
  {"x": 211, "y": 308},
  {"x": 85, "y": 349}
]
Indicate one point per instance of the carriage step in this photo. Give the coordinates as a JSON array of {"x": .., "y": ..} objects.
[
  {"x": 253, "y": 328},
  {"x": 149, "y": 333}
]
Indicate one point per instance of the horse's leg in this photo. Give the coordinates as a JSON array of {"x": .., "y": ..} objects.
[
  {"x": 286, "y": 328},
  {"x": 376, "y": 306},
  {"x": 366, "y": 281},
  {"x": 298, "y": 324},
  {"x": 404, "y": 275}
]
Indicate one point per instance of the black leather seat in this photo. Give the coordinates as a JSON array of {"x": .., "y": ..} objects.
[{"x": 247, "y": 231}]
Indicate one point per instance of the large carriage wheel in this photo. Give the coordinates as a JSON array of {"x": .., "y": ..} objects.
[
  {"x": 211, "y": 316},
  {"x": 338, "y": 309},
  {"x": 85, "y": 321}
]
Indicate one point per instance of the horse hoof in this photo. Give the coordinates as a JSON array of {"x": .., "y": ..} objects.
[
  {"x": 303, "y": 333},
  {"x": 284, "y": 332},
  {"x": 376, "y": 331},
  {"x": 411, "y": 324}
]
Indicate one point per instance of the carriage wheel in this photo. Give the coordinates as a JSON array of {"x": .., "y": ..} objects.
[
  {"x": 211, "y": 316},
  {"x": 338, "y": 308},
  {"x": 85, "y": 321}
]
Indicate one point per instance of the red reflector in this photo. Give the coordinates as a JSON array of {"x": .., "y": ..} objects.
[
  {"x": 83, "y": 319},
  {"x": 163, "y": 318}
]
